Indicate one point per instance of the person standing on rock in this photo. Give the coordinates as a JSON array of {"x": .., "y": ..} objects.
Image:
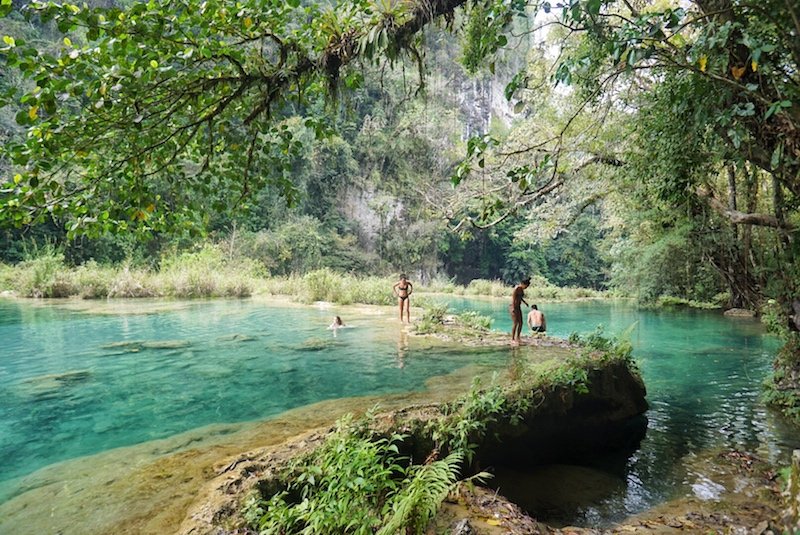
[{"x": 515, "y": 309}]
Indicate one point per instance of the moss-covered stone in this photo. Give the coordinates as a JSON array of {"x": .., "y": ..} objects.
[{"x": 539, "y": 414}]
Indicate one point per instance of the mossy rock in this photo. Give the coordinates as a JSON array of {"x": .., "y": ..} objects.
[
  {"x": 166, "y": 344},
  {"x": 315, "y": 344}
]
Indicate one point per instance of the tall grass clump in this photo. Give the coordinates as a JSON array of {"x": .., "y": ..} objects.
[
  {"x": 93, "y": 281},
  {"x": 6, "y": 277},
  {"x": 206, "y": 273},
  {"x": 540, "y": 288},
  {"x": 44, "y": 274},
  {"x": 442, "y": 285},
  {"x": 370, "y": 290},
  {"x": 328, "y": 285},
  {"x": 289, "y": 285},
  {"x": 494, "y": 288},
  {"x": 129, "y": 281},
  {"x": 323, "y": 285}
]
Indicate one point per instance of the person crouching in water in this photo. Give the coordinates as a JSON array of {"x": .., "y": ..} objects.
[
  {"x": 403, "y": 289},
  {"x": 536, "y": 320},
  {"x": 336, "y": 325},
  {"x": 515, "y": 309}
]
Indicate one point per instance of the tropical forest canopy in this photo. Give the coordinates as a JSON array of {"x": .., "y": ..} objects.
[{"x": 650, "y": 146}]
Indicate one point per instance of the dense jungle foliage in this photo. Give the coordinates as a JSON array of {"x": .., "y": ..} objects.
[
  {"x": 648, "y": 146},
  {"x": 354, "y": 197}
]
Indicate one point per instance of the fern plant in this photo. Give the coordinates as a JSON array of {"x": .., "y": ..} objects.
[
  {"x": 356, "y": 484},
  {"x": 421, "y": 494}
]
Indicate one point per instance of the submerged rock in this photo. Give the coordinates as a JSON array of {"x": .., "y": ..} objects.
[
  {"x": 122, "y": 347},
  {"x": 134, "y": 346},
  {"x": 740, "y": 313},
  {"x": 66, "y": 378},
  {"x": 53, "y": 385},
  {"x": 238, "y": 337},
  {"x": 314, "y": 344},
  {"x": 166, "y": 344}
]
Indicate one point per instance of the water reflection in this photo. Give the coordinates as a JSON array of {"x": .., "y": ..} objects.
[
  {"x": 402, "y": 348},
  {"x": 75, "y": 384},
  {"x": 246, "y": 361}
]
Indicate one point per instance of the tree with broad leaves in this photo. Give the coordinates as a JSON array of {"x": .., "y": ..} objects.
[{"x": 143, "y": 104}]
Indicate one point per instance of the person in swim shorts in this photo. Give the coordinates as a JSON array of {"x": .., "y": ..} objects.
[
  {"x": 536, "y": 320},
  {"x": 515, "y": 309}
]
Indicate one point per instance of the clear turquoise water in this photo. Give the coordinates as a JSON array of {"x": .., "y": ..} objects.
[
  {"x": 209, "y": 362},
  {"x": 703, "y": 374},
  {"x": 234, "y": 361}
]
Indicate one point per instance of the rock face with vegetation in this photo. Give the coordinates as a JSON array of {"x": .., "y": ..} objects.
[{"x": 399, "y": 466}]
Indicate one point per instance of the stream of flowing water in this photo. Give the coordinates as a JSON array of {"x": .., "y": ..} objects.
[{"x": 80, "y": 379}]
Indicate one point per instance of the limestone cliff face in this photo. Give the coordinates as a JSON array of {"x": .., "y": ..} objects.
[
  {"x": 559, "y": 421},
  {"x": 372, "y": 211},
  {"x": 479, "y": 103}
]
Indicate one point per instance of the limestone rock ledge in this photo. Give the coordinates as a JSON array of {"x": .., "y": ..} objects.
[{"x": 562, "y": 419}]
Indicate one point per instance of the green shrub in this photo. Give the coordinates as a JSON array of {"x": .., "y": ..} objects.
[
  {"x": 355, "y": 484},
  {"x": 93, "y": 281},
  {"x": 465, "y": 420},
  {"x": 474, "y": 321},
  {"x": 775, "y": 318},
  {"x": 44, "y": 275},
  {"x": 596, "y": 344},
  {"x": 432, "y": 319}
]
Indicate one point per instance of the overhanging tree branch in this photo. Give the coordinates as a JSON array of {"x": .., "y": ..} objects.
[{"x": 741, "y": 218}]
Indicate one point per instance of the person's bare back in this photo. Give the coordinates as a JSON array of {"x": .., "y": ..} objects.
[{"x": 536, "y": 320}]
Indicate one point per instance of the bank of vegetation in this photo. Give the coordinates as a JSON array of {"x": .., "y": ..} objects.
[
  {"x": 211, "y": 271},
  {"x": 390, "y": 473}
]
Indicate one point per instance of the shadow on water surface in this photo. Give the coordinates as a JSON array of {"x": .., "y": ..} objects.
[{"x": 570, "y": 475}]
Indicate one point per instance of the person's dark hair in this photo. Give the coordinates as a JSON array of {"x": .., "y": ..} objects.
[
  {"x": 403, "y": 276},
  {"x": 339, "y": 321},
  {"x": 526, "y": 281},
  {"x": 534, "y": 307}
]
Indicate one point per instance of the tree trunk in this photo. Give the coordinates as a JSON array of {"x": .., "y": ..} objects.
[{"x": 732, "y": 195}]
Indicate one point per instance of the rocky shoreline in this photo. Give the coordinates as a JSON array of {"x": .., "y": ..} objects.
[
  {"x": 559, "y": 418},
  {"x": 564, "y": 421}
]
